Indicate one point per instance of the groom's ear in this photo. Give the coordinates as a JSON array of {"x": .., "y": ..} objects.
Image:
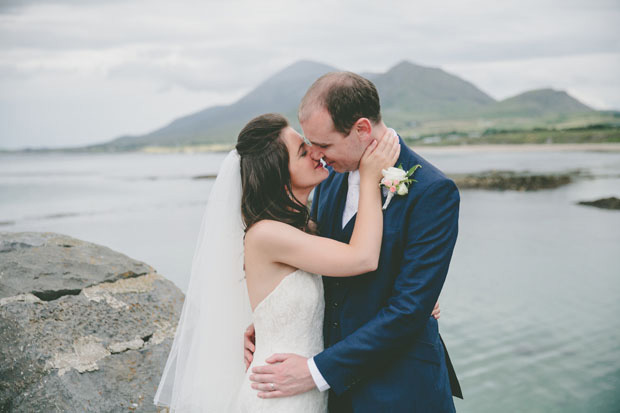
[{"x": 363, "y": 128}]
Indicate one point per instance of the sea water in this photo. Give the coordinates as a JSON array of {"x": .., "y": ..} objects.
[{"x": 531, "y": 305}]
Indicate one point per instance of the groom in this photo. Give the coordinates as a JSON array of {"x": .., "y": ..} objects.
[{"x": 382, "y": 351}]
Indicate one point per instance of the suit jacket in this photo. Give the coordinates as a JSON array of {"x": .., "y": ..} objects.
[{"x": 383, "y": 351}]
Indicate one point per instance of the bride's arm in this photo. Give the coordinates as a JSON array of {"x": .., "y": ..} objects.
[{"x": 285, "y": 244}]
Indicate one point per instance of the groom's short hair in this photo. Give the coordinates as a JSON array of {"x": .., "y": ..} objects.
[{"x": 346, "y": 96}]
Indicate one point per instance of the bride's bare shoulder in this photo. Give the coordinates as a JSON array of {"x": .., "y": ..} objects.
[{"x": 266, "y": 231}]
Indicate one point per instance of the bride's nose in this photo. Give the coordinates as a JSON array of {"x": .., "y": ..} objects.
[{"x": 315, "y": 154}]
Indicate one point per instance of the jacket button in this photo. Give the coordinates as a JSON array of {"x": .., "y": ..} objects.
[
  {"x": 336, "y": 324},
  {"x": 335, "y": 304},
  {"x": 337, "y": 283}
]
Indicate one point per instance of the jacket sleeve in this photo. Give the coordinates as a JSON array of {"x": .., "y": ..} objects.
[{"x": 429, "y": 242}]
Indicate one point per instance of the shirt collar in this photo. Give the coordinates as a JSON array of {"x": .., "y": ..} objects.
[{"x": 354, "y": 178}]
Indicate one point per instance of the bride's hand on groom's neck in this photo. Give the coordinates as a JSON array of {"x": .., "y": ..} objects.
[{"x": 379, "y": 155}]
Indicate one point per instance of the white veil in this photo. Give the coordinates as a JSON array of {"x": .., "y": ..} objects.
[{"x": 205, "y": 367}]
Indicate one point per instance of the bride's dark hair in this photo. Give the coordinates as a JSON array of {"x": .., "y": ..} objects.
[{"x": 265, "y": 176}]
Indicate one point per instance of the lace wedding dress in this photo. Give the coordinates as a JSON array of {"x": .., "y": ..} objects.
[{"x": 288, "y": 320}]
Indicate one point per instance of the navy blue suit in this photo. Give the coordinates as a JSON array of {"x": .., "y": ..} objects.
[{"x": 383, "y": 352}]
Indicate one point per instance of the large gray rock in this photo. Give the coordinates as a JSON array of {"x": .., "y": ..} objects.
[{"x": 82, "y": 328}]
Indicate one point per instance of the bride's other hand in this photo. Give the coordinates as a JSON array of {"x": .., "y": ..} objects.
[
  {"x": 380, "y": 155},
  {"x": 249, "y": 339},
  {"x": 436, "y": 311}
]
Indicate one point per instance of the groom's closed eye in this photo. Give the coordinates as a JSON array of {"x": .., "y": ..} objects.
[{"x": 322, "y": 146}]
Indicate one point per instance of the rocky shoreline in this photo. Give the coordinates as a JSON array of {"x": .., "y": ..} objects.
[
  {"x": 510, "y": 180},
  {"x": 604, "y": 203},
  {"x": 497, "y": 180},
  {"x": 83, "y": 328}
]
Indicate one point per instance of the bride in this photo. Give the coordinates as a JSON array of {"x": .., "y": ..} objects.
[{"x": 256, "y": 262}]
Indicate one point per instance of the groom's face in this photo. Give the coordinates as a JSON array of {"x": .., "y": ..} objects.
[{"x": 341, "y": 152}]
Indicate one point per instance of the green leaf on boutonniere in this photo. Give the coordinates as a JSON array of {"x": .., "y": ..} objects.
[{"x": 412, "y": 170}]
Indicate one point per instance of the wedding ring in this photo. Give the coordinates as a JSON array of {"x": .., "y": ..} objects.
[{"x": 273, "y": 386}]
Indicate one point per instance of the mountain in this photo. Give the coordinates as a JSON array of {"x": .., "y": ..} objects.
[
  {"x": 220, "y": 124},
  {"x": 536, "y": 103},
  {"x": 416, "y": 92},
  {"x": 410, "y": 95}
]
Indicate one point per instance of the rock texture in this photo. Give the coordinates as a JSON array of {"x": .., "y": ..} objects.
[
  {"x": 509, "y": 180},
  {"x": 82, "y": 328},
  {"x": 605, "y": 203}
]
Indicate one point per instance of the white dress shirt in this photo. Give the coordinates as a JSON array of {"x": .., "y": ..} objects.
[
  {"x": 353, "y": 197},
  {"x": 350, "y": 209}
]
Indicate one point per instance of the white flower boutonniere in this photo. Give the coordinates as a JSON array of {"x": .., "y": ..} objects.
[{"x": 397, "y": 181}]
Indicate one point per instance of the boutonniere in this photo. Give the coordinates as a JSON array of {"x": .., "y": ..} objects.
[{"x": 397, "y": 181}]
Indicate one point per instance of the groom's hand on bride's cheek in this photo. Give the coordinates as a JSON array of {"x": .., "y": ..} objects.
[
  {"x": 248, "y": 346},
  {"x": 286, "y": 375}
]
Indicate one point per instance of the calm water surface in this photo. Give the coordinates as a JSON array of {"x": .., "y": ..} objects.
[{"x": 530, "y": 308}]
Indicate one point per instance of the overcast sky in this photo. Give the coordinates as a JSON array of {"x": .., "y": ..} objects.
[{"x": 74, "y": 72}]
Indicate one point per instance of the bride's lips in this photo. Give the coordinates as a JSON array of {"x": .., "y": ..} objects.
[{"x": 320, "y": 164}]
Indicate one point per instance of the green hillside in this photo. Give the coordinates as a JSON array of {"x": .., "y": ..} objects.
[
  {"x": 535, "y": 103},
  {"x": 418, "y": 101},
  {"x": 416, "y": 93}
]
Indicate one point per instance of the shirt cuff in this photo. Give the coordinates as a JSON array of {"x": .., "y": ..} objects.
[{"x": 320, "y": 382}]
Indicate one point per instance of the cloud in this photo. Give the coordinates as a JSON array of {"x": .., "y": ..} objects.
[
  {"x": 69, "y": 110},
  {"x": 14, "y": 6},
  {"x": 190, "y": 54},
  {"x": 591, "y": 78}
]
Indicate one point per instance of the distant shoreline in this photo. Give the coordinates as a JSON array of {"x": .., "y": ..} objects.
[
  {"x": 465, "y": 148},
  {"x": 526, "y": 147}
]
